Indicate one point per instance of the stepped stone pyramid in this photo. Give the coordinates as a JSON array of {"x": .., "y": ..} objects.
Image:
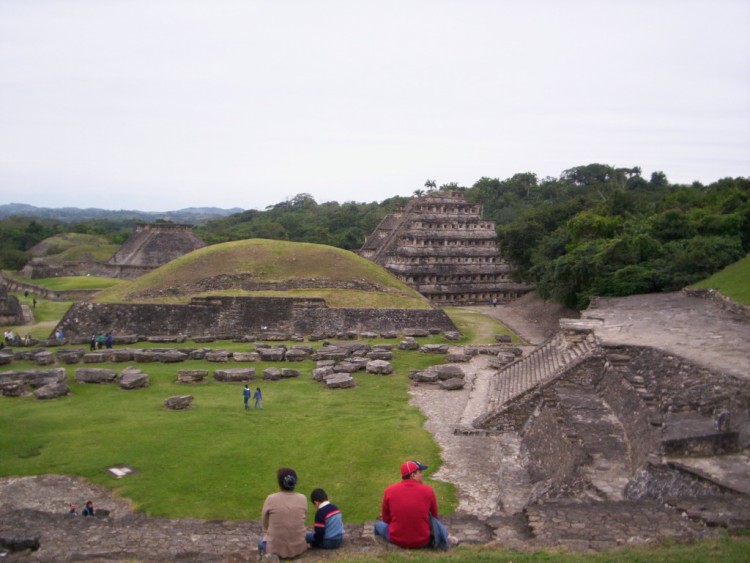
[
  {"x": 440, "y": 245},
  {"x": 153, "y": 245}
]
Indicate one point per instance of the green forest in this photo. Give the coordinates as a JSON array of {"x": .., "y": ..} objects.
[{"x": 594, "y": 230}]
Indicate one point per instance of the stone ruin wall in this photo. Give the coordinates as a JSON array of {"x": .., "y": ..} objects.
[
  {"x": 642, "y": 386},
  {"x": 153, "y": 245},
  {"x": 440, "y": 246},
  {"x": 234, "y": 317}
]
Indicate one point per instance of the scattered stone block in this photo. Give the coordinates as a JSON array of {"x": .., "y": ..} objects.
[
  {"x": 122, "y": 355},
  {"x": 144, "y": 355},
  {"x": 424, "y": 376},
  {"x": 199, "y": 354},
  {"x": 233, "y": 375},
  {"x": 389, "y": 334},
  {"x": 435, "y": 349},
  {"x": 13, "y": 389},
  {"x": 218, "y": 356},
  {"x": 133, "y": 378},
  {"x": 383, "y": 347},
  {"x": 319, "y": 374},
  {"x": 95, "y": 375},
  {"x": 164, "y": 339},
  {"x": 272, "y": 374},
  {"x": 179, "y": 402},
  {"x": 408, "y": 344},
  {"x": 96, "y": 357},
  {"x": 70, "y": 356},
  {"x": 125, "y": 339},
  {"x": 457, "y": 358},
  {"x": 171, "y": 356},
  {"x": 271, "y": 354},
  {"x": 346, "y": 367},
  {"x": 289, "y": 372},
  {"x": 452, "y": 335},
  {"x": 380, "y": 355},
  {"x": 5, "y": 359},
  {"x": 369, "y": 334},
  {"x": 503, "y": 338},
  {"x": 44, "y": 358},
  {"x": 274, "y": 336},
  {"x": 245, "y": 357},
  {"x": 191, "y": 375},
  {"x": 446, "y": 372},
  {"x": 325, "y": 363},
  {"x": 340, "y": 381},
  {"x": 203, "y": 339},
  {"x": 414, "y": 332},
  {"x": 296, "y": 355},
  {"x": 379, "y": 367},
  {"x": 52, "y": 391},
  {"x": 453, "y": 384}
]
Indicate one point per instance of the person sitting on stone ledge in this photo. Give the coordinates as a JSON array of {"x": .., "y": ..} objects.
[
  {"x": 88, "y": 510},
  {"x": 72, "y": 509},
  {"x": 283, "y": 518},
  {"x": 409, "y": 513},
  {"x": 329, "y": 525}
]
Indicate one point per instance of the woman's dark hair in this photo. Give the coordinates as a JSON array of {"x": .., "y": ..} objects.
[{"x": 287, "y": 478}]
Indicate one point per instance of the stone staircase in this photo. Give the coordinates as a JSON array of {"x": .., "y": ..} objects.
[{"x": 564, "y": 351}]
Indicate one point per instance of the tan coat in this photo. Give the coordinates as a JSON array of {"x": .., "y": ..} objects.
[{"x": 283, "y": 519}]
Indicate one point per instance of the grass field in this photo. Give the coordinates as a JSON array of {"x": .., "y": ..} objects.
[
  {"x": 733, "y": 281},
  {"x": 217, "y": 460}
]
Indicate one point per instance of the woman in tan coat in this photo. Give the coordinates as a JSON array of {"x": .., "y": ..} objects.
[{"x": 283, "y": 518}]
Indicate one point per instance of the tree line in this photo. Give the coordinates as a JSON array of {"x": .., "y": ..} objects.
[{"x": 594, "y": 230}]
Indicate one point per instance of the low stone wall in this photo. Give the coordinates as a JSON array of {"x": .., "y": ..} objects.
[
  {"x": 37, "y": 269},
  {"x": 722, "y": 300},
  {"x": 237, "y": 316}
]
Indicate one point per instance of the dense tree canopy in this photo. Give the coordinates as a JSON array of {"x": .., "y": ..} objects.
[{"x": 595, "y": 230}]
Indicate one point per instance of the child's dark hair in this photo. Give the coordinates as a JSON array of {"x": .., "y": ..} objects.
[
  {"x": 318, "y": 495},
  {"x": 287, "y": 478}
]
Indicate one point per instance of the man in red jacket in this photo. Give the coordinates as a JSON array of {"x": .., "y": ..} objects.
[{"x": 409, "y": 512}]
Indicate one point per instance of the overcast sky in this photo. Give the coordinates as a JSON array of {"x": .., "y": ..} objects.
[{"x": 163, "y": 104}]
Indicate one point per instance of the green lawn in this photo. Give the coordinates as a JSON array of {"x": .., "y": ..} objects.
[
  {"x": 216, "y": 460},
  {"x": 67, "y": 283},
  {"x": 733, "y": 281}
]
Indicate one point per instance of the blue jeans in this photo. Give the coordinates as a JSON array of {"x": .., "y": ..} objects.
[
  {"x": 328, "y": 543},
  {"x": 438, "y": 536}
]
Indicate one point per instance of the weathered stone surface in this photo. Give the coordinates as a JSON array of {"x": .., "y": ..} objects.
[
  {"x": 199, "y": 354},
  {"x": 5, "y": 359},
  {"x": 203, "y": 339},
  {"x": 13, "y": 389},
  {"x": 388, "y": 334},
  {"x": 380, "y": 355},
  {"x": 52, "y": 391},
  {"x": 95, "y": 375},
  {"x": 453, "y": 384},
  {"x": 296, "y": 355},
  {"x": 383, "y": 346},
  {"x": 245, "y": 356},
  {"x": 368, "y": 334},
  {"x": 458, "y": 358},
  {"x": 70, "y": 356},
  {"x": 144, "y": 355},
  {"x": 346, "y": 367},
  {"x": 44, "y": 358},
  {"x": 271, "y": 354},
  {"x": 167, "y": 338},
  {"x": 325, "y": 363},
  {"x": 503, "y": 338},
  {"x": 446, "y": 372},
  {"x": 178, "y": 402},
  {"x": 319, "y": 374},
  {"x": 124, "y": 339},
  {"x": 191, "y": 375},
  {"x": 408, "y": 344},
  {"x": 274, "y": 336},
  {"x": 416, "y": 332},
  {"x": 97, "y": 357},
  {"x": 171, "y": 356},
  {"x": 424, "y": 376},
  {"x": 435, "y": 349},
  {"x": 330, "y": 353},
  {"x": 122, "y": 355},
  {"x": 289, "y": 372},
  {"x": 272, "y": 374},
  {"x": 133, "y": 378},
  {"x": 452, "y": 335},
  {"x": 340, "y": 381},
  {"x": 234, "y": 374},
  {"x": 379, "y": 367},
  {"x": 218, "y": 356}
]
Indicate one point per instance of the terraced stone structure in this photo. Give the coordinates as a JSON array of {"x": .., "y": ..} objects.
[
  {"x": 153, "y": 245},
  {"x": 440, "y": 245}
]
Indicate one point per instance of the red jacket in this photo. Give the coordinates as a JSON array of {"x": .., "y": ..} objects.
[{"x": 406, "y": 509}]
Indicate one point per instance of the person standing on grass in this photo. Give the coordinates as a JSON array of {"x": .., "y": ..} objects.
[
  {"x": 283, "y": 518},
  {"x": 258, "y": 396},
  {"x": 246, "y": 397}
]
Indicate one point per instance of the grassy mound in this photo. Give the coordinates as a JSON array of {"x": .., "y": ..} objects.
[
  {"x": 74, "y": 247},
  {"x": 344, "y": 279},
  {"x": 732, "y": 281}
]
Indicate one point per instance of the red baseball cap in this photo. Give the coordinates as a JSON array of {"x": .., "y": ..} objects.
[{"x": 409, "y": 467}]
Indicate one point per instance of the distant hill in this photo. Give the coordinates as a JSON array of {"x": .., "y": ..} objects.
[{"x": 189, "y": 215}]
